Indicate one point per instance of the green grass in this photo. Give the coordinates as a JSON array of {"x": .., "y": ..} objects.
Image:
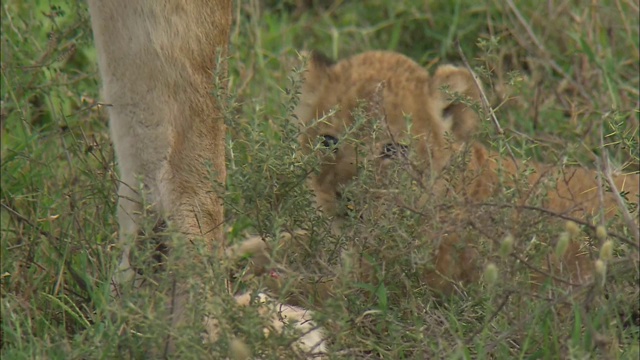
[{"x": 557, "y": 73}]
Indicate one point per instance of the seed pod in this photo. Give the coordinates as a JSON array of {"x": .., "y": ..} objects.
[
  {"x": 506, "y": 246},
  {"x": 606, "y": 251},
  {"x": 572, "y": 228},
  {"x": 601, "y": 233},
  {"x": 563, "y": 244},
  {"x": 490, "y": 274},
  {"x": 601, "y": 270}
]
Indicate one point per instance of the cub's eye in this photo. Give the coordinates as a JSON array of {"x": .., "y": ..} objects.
[
  {"x": 329, "y": 142},
  {"x": 448, "y": 111},
  {"x": 391, "y": 150}
]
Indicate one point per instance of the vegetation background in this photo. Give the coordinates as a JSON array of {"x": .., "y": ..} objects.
[{"x": 561, "y": 75}]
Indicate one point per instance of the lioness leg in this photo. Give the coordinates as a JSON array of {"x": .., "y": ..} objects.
[{"x": 157, "y": 62}]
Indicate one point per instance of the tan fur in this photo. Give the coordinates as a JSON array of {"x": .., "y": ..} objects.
[
  {"x": 158, "y": 62},
  {"x": 389, "y": 87}
]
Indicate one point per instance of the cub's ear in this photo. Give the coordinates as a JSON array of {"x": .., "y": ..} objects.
[
  {"x": 316, "y": 78},
  {"x": 320, "y": 60},
  {"x": 461, "y": 120},
  {"x": 318, "y": 66}
]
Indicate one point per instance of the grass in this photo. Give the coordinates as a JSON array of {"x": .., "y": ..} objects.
[{"x": 558, "y": 74}]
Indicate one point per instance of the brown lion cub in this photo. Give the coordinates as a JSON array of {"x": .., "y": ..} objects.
[
  {"x": 417, "y": 120},
  {"x": 389, "y": 87}
]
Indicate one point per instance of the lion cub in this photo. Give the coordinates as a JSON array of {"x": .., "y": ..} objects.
[
  {"x": 389, "y": 88},
  {"x": 408, "y": 114}
]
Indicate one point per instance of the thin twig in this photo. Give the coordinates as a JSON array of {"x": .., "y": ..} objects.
[
  {"x": 527, "y": 320},
  {"x": 606, "y": 171},
  {"x": 490, "y": 319},
  {"x": 592, "y": 227},
  {"x": 600, "y": 188},
  {"x": 543, "y": 51},
  {"x": 485, "y": 103},
  {"x": 76, "y": 277},
  {"x": 524, "y": 262}
]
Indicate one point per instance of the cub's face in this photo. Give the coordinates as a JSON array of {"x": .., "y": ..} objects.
[{"x": 374, "y": 110}]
